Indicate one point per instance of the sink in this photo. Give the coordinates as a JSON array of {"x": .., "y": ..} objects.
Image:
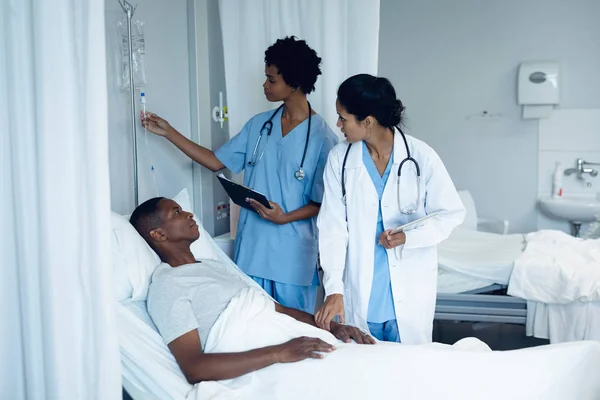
[{"x": 575, "y": 209}]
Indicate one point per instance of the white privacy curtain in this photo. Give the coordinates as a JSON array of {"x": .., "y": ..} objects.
[
  {"x": 344, "y": 33},
  {"x": 58, "y": 338}
]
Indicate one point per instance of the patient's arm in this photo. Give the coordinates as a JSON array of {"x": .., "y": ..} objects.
[
  {"x": 296, "y": 314},
  {"x": 198, "y": 366},
  {"x": 343, "y": 332}
]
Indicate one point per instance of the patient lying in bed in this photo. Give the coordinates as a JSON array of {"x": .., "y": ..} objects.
[
  {"x": 233, "y": 339},
  {"x": 187, "y": 296}
]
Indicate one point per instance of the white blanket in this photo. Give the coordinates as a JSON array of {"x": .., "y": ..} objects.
[
  {"x": 480, "y": 255},
  {"x": 556, "y": 268},
  {"x": 564, "y": 322},
  {"x": 467, "y": 370}
]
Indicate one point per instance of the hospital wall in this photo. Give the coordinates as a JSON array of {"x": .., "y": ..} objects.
[
  {"x": 184, "y": 69},
  {"x": 582, "y": 126},
  {"x": 207, "y": 71},
  {"x": 452, "y": 60},
  {"x": 167, "y": 92}
]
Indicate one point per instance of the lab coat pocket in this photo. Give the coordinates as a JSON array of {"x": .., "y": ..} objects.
[{"x": 402, "y": 254}]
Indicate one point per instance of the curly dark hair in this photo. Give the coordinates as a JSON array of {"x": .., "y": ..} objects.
[{"x": 297, "y": 63}]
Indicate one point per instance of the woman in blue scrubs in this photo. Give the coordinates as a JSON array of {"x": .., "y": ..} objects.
[{"x": 277, "y": 247}]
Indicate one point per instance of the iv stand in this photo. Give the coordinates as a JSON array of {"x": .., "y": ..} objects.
[{"x": 129, "y": 10}]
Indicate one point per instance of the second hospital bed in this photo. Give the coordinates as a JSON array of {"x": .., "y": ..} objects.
[{"x": 474, "y": 282}]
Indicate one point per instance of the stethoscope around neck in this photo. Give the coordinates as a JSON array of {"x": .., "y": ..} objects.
[
  {"x": 410, "y": 209},
  {"x": 268, "y": 126}
]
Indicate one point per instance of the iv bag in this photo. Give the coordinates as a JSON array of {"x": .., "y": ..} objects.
[{"x": 138, "y": 44}]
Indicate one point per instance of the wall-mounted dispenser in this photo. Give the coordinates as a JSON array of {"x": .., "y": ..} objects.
[{"x": 538, "y": 88}]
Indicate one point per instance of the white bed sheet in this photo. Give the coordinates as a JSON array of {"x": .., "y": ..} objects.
[
  {"x": 147, "y": 364},
  {"x": 454, "y": 282},
  {"x": 481, "y": 255},
  {"x": 565, "y": 371},
  {"x": 559, "y": 275},
  {"x": 557, "y": 268},
  {"x": 564, "y": 322}
]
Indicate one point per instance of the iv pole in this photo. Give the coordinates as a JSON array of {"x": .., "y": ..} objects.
[{"x": 129, "y": 10}]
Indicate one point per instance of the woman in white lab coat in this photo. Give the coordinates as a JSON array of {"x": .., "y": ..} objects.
[{"x": 375, "y": 181}]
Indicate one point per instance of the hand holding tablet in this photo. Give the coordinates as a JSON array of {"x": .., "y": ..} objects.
[{"x": 415, "y": 224}]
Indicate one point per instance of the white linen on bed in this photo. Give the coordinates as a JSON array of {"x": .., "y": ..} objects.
[
  {"x": 449, "y": 281},
  {"x": 564, "y": 322},
  {"x": 565, "y": 371},
  {"x": 480, "y": 255},
  {"x": 557, "y": 268},
  {"x": 146, "y": 361}
]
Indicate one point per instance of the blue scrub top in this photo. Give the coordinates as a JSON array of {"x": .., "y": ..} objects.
[
  {"x": 381, "y": 301},
  {"x": 282, "y": 253}
]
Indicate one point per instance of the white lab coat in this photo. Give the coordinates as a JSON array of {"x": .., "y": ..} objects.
[{"x": 346, "y": 246}]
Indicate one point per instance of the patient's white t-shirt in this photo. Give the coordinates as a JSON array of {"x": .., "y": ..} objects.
[{"x": 191, "y": 296}]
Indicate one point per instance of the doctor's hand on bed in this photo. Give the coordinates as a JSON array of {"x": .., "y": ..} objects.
[
  {"x": 331, "y": 308},
  {"x": 347, "y": 333},
  {"x": 391, "y": 240}
]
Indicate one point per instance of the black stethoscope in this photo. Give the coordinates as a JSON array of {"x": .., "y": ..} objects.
[
  {"x": 268, "y": 126},
  {"x": 406, "y": 210}
]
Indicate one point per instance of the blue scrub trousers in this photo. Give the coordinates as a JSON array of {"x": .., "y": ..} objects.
[
  {"x": 385, "y": 331},
  {"x": 293, "y": 296}
]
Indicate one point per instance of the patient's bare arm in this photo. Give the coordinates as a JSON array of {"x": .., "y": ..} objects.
[
  {"x": 343, "y": 332},
  {"x": 198, "y": 366}
]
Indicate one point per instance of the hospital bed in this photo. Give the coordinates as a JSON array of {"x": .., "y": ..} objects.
[
  {"x": 150, "y": 371},
  {"x": 476, "y": 277},
  {"x": 475, "y": 263}
]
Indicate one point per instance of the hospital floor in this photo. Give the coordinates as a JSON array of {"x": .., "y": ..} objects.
[{"x": 497, "y": 336}]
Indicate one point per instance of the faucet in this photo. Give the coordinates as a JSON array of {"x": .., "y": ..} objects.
[{"x": 580, "y": 169}]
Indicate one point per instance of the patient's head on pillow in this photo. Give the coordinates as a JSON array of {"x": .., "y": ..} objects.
[{"x": 164, "y": 225}]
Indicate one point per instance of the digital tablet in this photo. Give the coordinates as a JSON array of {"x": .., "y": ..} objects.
[
  {"x": 239, "y": 193},
  {"x": 416, "y": 223}
]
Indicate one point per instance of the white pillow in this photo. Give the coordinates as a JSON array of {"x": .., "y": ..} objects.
[{"x": 134, "y": 261}]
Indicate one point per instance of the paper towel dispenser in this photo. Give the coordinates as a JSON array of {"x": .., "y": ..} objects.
[{"x": 538, "y": 88}]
